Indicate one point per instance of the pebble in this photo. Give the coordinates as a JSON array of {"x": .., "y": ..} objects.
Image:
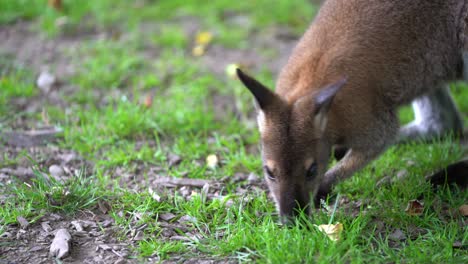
[
  {"x": 23, "y": 222},
  {"x": 397, "y": 235},
  {"x": 45, "y": 81},
  {"x": 253, "y": 178},
  {"x": 60, "y": 246},
  {"x": 56, "y": 171}
]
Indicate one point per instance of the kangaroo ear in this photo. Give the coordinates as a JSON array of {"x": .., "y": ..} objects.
[
  {"x": 323, "y": 101},
  {"x": 264, "y": 97}
]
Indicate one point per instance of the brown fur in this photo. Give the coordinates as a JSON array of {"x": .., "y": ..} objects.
[{"x": 390, "y": 52}]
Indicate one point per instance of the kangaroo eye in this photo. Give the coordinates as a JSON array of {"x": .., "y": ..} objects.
[
  {"x": 268, "y": 173},
  {"x": 312, "y": 172}
]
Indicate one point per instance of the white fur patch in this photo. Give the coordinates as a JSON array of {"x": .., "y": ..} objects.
[
  {"x": 420, "y": 112},
  {"x": 261, "y": 121},
  {"x": 320, "y": 121}
]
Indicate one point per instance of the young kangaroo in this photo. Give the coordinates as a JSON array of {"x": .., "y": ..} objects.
[{"x": 356, "y": 64}]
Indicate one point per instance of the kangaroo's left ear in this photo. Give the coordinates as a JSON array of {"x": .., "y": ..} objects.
[
  {"x": 323, "y": 101},
  {"x": 264, "y": 97}
]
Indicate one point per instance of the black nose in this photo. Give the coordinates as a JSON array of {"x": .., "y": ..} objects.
[{"x": 289, "y": 211}]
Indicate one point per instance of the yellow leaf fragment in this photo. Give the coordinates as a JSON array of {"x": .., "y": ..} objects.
[
  {"x": 203, "y": 38},
  {"x": 332, "y": 231},
  {"x": 212, "y": 161},
  {"x": 231, "y": 70},
  {"x": 198, "y": 50}
]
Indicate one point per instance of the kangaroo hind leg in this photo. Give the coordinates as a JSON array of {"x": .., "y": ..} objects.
[{"x": 435, "y": 114}]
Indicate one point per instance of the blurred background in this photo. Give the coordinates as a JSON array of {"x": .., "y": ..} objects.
[
  {"x": 167, "y": 65},
  {"x": 125, "y": 71}
]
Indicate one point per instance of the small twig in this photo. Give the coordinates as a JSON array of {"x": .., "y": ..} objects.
[
  {"x": 334, "y": 209},
  {"x": 30, "y": 138},
  {"x": 173, "y": 182}
]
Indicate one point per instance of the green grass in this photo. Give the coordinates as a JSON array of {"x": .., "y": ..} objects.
[
  {"x": 126, "y": 15},
  {"x": 104, "y": 118},
  {"x": 47, "y": 194},
  {"x": 15, "y": 82}
]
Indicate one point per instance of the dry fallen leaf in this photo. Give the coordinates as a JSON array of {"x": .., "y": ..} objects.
[
  {"x": 88, "y": 224},
  {"x": 46, "y": 227},
  {"x": 103, "y": 247},
  {"x": 173, "y": 160},
  {"x": 332, "y": 231},
  {"x": 167, "y": 216},
  {"x": 187, "y": 218},
  {"x": 138, "y": 236},
  {"x": 57, "y": 4},
  {"x": 148, "y": 102},
  {"x": 414, "y": 208},
  {"x": 77, "y": 226},
  {"x": 153, "y": 194},
  {"x": 203, "y": 38},
  {"x": 212, "y": 161},
  {"x": 107, "y": 223},
  {"x": 463, "y": 210},
  {"x": 23, "y": 222},
  {"x": 60, "y": 246},
  {"x": 104, "y": 206}
]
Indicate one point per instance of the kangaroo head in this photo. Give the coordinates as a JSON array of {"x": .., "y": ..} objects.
[{"x": 295, "y": 151}]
